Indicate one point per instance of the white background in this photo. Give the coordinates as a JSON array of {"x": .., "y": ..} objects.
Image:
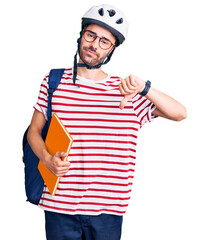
[{"x": 167, "y": 44}]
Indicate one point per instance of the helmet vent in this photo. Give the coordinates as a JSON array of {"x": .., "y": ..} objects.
[
  {"x": 111, "y": 12},
  {"x": 119, "y": 21},
  {"x": 101, "y": 12}
]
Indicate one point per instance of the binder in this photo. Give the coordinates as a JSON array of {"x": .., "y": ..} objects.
[{"x": 58, "y": 139}]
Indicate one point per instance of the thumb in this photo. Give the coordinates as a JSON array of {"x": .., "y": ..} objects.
[
  {"x": 125, "y": 100},
  {"x": 60, "y": 154}
]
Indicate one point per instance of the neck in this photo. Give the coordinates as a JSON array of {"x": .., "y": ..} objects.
[{"x": 93, "y": 74}]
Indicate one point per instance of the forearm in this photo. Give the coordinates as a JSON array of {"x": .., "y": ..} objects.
[
  {"x": 37, "y": 145},
  {"x": 166, "y": 106}
]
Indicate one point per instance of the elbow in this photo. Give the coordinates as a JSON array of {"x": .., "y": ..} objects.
[
  {"x": 182, "y": 115},
  {"x": 29, "y": 134}
]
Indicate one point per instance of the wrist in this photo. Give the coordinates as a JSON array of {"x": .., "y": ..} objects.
[
  {"x": 142, "y": 87},
  {"x": 146, "y": 89},
  {"x": 46, "y": 157}
]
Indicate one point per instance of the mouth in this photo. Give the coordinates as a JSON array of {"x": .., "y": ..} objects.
[{"x": 90, "y": 52}]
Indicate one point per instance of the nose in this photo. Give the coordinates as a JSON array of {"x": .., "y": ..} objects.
[{"x": 95, "y": 43}]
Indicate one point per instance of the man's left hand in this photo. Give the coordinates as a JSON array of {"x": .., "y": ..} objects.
[{"x": 129, "y": 87}]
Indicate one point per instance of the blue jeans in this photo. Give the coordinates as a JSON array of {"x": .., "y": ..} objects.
[{"x": 82, "y": 227}]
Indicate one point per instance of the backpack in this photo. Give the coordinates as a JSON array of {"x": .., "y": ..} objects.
[{"x": 34, "y": 183}]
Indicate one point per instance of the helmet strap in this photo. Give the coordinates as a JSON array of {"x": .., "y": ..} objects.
[{"x": 107, "y": 59}]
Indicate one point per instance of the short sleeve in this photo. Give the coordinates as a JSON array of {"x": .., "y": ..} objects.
[
  {"x": 143, "y": 109},
  {"x": 41, "y": 104}
]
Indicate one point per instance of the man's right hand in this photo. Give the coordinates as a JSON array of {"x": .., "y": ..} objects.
[{"x": 56, "y": 165}]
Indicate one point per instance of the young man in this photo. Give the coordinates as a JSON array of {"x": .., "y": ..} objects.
[{"x": 103, "y": 114}]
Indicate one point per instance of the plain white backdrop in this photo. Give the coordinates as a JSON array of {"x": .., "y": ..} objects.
[{"x": 167, "y": 44}]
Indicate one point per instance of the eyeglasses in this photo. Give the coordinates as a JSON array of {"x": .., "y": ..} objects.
[{"x": 104, "y": 43}]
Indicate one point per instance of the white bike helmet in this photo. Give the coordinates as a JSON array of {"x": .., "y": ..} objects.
[{"x": 108, "y": 17}]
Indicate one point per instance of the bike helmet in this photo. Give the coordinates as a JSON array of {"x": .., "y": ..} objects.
[{"x": 108, "y": 17}]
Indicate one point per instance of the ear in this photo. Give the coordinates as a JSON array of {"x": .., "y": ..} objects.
[
  {"x": 112, "y": 51},
  {"x": 109, "y": 55}
]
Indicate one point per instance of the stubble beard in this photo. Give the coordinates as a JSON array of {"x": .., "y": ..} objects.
[{"x": 88, "y": 59}]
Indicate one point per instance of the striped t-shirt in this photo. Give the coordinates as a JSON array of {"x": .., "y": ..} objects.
[{"x": 103, "y": 154}]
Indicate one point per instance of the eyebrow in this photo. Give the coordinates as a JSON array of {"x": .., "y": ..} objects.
[{"x": 97, "y": 35}]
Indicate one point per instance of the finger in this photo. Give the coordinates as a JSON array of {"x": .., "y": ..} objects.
[
  {"x": 61, "y": 154},
  {"x": 63, "y": 164},
  {"x": 123, "y": 83},
  {"x": 62, "y": 169},
  {"x": 130, "y": 81},
  {"x": 126, "y": 99},
  {"x": 123, "y": 102},
  {"x": 130, "y": 87},
  {"x": 60, "y": 173},
  {"x": 58, "y": 161},
  {"x": 59, "y": 170},
  {"x": 127, "y": 87},
  {"x": 121, "y": 89}
]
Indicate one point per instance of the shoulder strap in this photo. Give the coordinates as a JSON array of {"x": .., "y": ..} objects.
[{"x": 54, "y": 79}]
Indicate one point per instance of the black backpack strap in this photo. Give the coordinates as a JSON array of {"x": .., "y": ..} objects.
[{"x": 54, "y": 79}]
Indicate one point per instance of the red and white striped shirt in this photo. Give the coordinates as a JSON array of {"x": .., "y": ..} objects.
[{"x": 103, "y": 154}]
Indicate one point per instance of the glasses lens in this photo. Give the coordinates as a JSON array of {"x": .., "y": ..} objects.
[
  {"x": 89, "y": 37},
  {"x": 104, "y": 43}
]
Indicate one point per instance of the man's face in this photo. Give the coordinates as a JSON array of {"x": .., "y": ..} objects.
[{"x": 90, "y": 52}]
